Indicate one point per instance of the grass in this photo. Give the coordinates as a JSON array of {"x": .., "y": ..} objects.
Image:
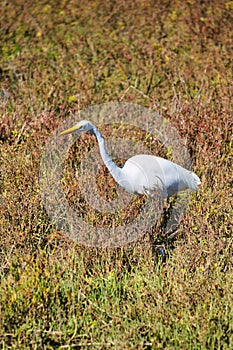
[{"x": 60, "y": 57}]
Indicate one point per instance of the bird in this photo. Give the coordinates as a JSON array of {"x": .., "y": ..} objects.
[{"x": 143, "y": 174}]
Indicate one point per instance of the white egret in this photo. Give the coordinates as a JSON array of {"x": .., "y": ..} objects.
[{"x": 143, "y": 174}]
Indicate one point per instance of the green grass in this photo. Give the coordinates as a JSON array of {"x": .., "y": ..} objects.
[
  {"x": 60, "y": 57},
  {"x": 50, "y": 303}
]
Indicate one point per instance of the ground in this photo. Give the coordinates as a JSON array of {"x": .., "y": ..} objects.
[{"x": 60, "y": 57}]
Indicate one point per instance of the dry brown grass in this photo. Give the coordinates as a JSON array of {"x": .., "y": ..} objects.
[{"x": 60, "y": 57}]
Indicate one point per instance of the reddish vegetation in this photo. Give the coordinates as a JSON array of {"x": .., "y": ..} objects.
[{"x": 61, "y": 57}]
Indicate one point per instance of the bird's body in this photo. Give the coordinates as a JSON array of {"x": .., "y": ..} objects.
[
  {"x": 143, "y": 174},
  {"x": 150, "y": 173}
]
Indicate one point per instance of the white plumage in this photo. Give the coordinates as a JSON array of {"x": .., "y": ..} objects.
[{"x": 143, "y": 174}]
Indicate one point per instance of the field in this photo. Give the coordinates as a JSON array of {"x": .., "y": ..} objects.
[{"x": 61, "y": 57}]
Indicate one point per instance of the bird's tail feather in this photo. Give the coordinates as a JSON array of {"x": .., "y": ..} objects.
[{"x": 195, "y": 181}]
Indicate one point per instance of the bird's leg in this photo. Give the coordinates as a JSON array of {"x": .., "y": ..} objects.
[
  {"x": 155, "y": 233},
  {"x": 169, "y": 215},
  {"x": 163, "y": 243}
]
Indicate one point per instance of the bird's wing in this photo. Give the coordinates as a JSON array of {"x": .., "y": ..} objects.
[{"x": 146, "y": 174}]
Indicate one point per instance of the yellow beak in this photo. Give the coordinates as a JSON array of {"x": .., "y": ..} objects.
[{"x": 69, "y": 131}]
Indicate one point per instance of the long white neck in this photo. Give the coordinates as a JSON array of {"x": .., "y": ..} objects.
[{"x": 115, "y": 171}]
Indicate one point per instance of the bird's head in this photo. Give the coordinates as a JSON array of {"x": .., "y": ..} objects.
[{"x": 84, "y": 125}]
